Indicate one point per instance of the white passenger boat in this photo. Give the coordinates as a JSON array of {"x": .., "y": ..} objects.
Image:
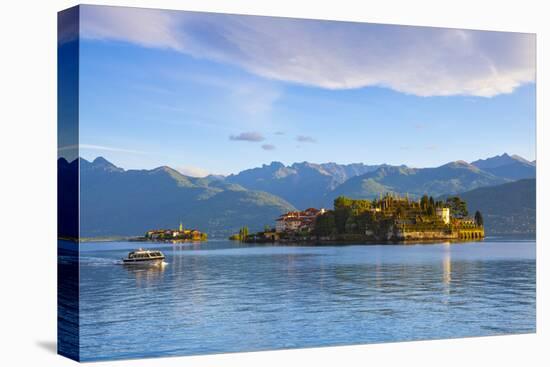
[{"x": 141, "y": 256}]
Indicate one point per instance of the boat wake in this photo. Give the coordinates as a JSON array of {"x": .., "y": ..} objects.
[{"x": 98, "y": 261}]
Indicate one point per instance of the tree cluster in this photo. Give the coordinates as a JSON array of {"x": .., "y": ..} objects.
[
  {"x": 351, "y": 216},
  {"x": 241, "y": 236}
]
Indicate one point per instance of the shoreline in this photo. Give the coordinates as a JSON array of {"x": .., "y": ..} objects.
[
  {"x": 364, "y": 242},
  {"x": 509, "y": 236},
  {"x": 144, "y": 239}
]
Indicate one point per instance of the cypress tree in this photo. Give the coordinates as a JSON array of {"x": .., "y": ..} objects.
[{"x": 478, "y": 218}]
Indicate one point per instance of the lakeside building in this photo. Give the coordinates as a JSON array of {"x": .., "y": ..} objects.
[{"x": 298, "y": 221}]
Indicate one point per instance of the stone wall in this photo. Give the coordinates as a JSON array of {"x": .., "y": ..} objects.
[{"x": 425, "y": 235}]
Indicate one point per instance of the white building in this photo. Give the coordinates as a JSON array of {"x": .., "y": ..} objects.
[{"x": 444, "y": 214}]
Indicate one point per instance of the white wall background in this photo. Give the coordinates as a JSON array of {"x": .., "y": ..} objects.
[{"x": 28, "y": 182}]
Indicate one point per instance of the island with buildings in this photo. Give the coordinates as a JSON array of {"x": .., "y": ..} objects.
[
  {"x": 173, "y": 235},
  {"x": 391, "y": 218}
]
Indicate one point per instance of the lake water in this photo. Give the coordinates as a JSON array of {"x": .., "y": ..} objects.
[{"x": 220, "y": 296}]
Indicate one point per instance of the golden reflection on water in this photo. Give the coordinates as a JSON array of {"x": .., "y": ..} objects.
[
  {"x": 146, "y": 274},
  {"x": 186, "y": 245},
  {"x": 447, "y": 269}
]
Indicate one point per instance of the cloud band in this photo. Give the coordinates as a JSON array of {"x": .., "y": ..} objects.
[{"x": 334, "y": 55}]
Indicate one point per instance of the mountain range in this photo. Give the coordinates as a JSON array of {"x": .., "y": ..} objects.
[
  {"x": 116, "y": 202},
  {"x": 451, "y": 178},
  {"x": 302, "y": 184},
  {"x": 315, "y": 185},
  {"x": 122, "y": 202},
  {"x": 512, "y": 167}
]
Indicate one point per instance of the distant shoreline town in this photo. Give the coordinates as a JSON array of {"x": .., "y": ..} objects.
[{"x": 391, "y": 218}]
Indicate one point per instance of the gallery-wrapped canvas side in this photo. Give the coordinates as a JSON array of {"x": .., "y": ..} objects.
[{"x": 68, "y": 185}]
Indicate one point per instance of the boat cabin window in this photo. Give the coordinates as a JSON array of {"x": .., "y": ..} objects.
[{"x": 144, "y": 255}]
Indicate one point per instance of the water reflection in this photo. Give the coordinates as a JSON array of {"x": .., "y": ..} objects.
[
  {"x": 224, "y": 297},
  {"x": 186, "y": 245},
  {"x": 146, "y": 275},
  {"x": 447, "y": 267}
]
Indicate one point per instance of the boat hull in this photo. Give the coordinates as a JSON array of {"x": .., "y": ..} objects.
[{"x": 155, "y": 261}]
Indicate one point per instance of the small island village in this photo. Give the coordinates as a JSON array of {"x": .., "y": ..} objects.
[{"x": 174, "y": 235}]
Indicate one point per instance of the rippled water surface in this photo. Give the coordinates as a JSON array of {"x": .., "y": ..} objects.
[{"x": 222, "y": 297}]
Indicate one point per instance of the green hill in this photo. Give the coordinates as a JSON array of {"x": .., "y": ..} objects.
[
  {"x": 126, "y": 203},
  {"x": 507, "y": 209}
]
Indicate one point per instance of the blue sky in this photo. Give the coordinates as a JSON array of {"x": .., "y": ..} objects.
[{"x": 210, "y": 93}]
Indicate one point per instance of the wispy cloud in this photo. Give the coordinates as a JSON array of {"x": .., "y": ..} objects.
[
  {"x": 252, "y": 96},
  {"x": 250, "y": 136},
  {"x": 193, "y": 171},
  {"x": 255, "y": 99},
  {"x": 305, "y": 139},
  {"x": 279, "y": 133},
  {"x": 144, "y": 27},
  {"x": 99, "y": 148},
  {"x": 336, "y": 55},
  {"x": 268, "y": 147}
]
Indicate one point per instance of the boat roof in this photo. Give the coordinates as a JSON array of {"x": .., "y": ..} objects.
[{"x": 144, "y": 251}]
